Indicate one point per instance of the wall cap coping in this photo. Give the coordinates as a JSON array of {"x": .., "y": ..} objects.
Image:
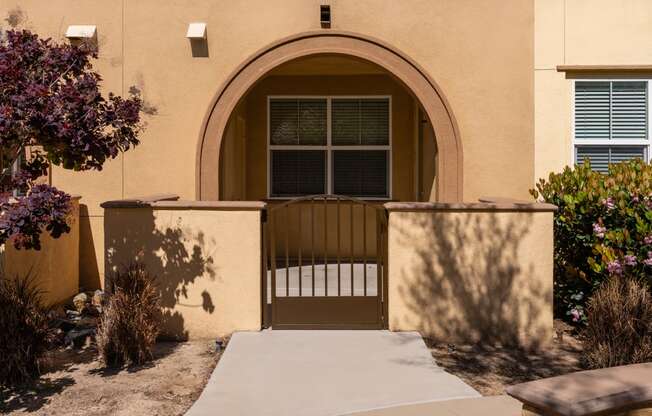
[
  {"x": 172, "y": 201},
  {"x": 486, "y": 204},
  {"x": 212, "y": 205},
  {"x": 604, "y": 68}
]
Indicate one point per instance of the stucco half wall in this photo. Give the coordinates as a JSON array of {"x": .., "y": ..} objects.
[
  {"x": 472, "y": 272},
  {"x": 206, "y": 257},
  {"x": 54, "y": 269}
]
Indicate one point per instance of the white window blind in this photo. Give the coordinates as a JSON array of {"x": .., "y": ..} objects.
[
  {"x": 611, "y": 122},
  {"x": 601, "y": 156},
  {"x": 349, "y": 157}
]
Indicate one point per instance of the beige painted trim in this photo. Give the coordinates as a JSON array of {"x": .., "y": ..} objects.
[
  {"x": 604, "y": 68},
  {"x": 409, "y": 73},
  {"x": 473, "y": 206}
]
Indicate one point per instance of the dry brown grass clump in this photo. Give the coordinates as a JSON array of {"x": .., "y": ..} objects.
[
  {"x": 619, "y": 327},
  {"x": 130, "y": 323},
  {"x": 24, "y": 334}
]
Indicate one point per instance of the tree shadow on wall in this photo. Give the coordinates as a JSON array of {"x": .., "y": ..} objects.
[
  {"x": 466, "y": 281},
  {"x": 173, "y": 252}
]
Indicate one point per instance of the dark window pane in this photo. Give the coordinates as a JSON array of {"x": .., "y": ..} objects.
[
  {"x": 298, "y": 172},
  {"x": 374, "y": 121},
  {"x": 297, "y": 121},
  {"x": 345, "y": 120},
  {"x": 361, "y": 173},
  {"x": 312, "y": 122},
  {"x": 284, "y": 121},
  {"x": 360, "y": 121}
]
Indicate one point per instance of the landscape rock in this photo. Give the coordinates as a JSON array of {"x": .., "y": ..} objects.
[
  {"x": 98, "y": 299},
  {"x": 77, "y": 337},
  {"x": 80, "y": 301}
]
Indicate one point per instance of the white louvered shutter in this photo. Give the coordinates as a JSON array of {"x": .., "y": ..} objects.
[
  {"x": 608, "y": 113},
  {"x": 592, "y": 110},
  {"x": 629, "y": 110}
]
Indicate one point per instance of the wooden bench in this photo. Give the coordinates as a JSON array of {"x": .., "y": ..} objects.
[{"x": 621, "y": 391}]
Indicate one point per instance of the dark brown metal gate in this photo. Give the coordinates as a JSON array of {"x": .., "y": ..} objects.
[{"x": 324, "y": 264}]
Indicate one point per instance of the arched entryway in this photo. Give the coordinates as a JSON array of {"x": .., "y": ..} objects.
[{"x": 435, "y": 108}]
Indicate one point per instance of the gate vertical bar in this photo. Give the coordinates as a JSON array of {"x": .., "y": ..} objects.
[
  {"x": 312, "y": 242},
  {"x": 385, "y": 218},
  {"x": 379, "y": 263},
  {"x": 299, "y": 210},
  {"x": 326, "y": 246},
  {"x": 364, "y": 246},
  {"x": 339, "y": 271},
  {"x": 265, "y": 280},
  {"x": 287, "y": 250},
  {"x": 351, "y": 247},
  {"x": 272, "y": 260}
]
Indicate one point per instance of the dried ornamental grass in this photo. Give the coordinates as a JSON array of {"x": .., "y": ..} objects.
[
  {"x": 619, "y": 326},
  {"x": 24, "y": 332},
  {"x": 130, "y": 323}
]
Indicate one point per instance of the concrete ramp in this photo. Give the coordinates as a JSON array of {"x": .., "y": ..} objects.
[{"x": 324, "y": 373}]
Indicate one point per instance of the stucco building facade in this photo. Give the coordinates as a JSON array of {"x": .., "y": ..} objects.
[{"x": 477, "y": 99}]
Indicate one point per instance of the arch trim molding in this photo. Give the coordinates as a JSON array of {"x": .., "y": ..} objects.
[{"x": 449, "y": 174}]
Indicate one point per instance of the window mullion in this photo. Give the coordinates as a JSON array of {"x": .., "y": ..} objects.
[{"x": 329, "y": 165}]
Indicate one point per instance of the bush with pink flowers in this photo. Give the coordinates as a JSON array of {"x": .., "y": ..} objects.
[{"x": 603, "y": 228}]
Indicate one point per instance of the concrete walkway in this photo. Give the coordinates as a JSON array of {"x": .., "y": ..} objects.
[{"x": 324, "y": 373}]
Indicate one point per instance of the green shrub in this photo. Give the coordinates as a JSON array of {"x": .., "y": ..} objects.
[
  {"x": 24, "y": 332},
  {"x": 130, "y": 321},
  {"x": 603, "y": 228},
  {"x": 619, "y": 324}
]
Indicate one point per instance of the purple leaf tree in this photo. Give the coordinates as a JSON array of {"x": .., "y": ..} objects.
[{"x": 51, "y": 104}]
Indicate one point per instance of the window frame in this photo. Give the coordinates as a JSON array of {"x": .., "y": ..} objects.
[
  {"x": 646, "y": 143},
  {"x": 329, "y": 147}
]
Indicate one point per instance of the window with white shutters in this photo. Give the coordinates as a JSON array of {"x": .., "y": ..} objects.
[
  {"x": 339, "y": 145},
  {"x": 611, "y": 122}
]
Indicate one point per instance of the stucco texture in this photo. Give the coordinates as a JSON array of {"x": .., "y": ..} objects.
[
  {"x": 580, "y": 32},
  {"x": 472, "y": 276},
  {"x": 484, "y": 69},
  {"x": 54, "y": 269},
  {"x": 207, "y": 265}
]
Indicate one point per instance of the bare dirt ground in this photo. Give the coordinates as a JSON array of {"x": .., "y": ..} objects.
[
  {"x": 76, "y": 384},
  {"x": 489, "y": 369}
]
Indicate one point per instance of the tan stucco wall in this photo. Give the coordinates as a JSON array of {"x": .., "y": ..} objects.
[
  {"x": 580, "y": 32},
  {"x": 471, "y": 276},
  {"x": 206, "y": 262},
  {"x": 484, "y": 69},
  {"x": 55, "y": 268}
]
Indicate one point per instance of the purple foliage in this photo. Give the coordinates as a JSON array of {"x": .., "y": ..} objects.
[
  {"x": 50, "y": 102},
  {"x": 23, "y": 219}
]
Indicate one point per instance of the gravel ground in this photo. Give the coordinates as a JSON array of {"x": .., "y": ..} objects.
[
  {"x": 490, "y": 369},
  {"x": 76, "y": 384}
]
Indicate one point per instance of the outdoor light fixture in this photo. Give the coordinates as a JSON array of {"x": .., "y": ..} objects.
[
  {"x": 82, "y": 34},
  {"x": 196, "y": 31},
  {"x": 325, "y": 15},
  {"x": 81, "y": 31}
]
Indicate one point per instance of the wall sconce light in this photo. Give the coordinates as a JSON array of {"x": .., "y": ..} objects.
[
  {"x": 325, "y": 15},
  {"x": 198, "y": 42},
  {"x": 196, "y": 31},
  {"x": 82, "y": 34}
]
